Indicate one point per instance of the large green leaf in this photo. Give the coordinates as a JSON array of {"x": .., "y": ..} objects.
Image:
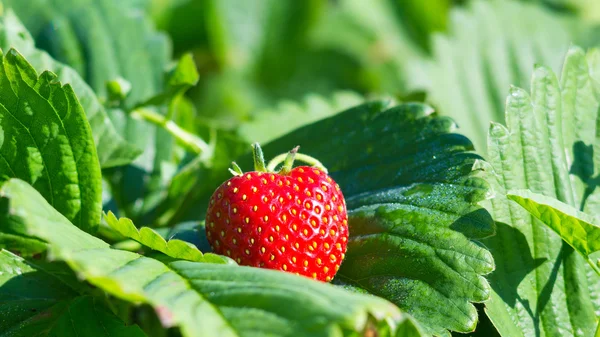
[
  {"x": 36, "y": 302},
  {"x": 580, "y": 230},
  {"x": 111, "y": 147},
  {"x": 541, "y": 286},
  {"x": 45, "y": 139},
  {"x": 203, "y": 299},
  {"x": 490, "y": 46},
  {"x": 413, "y": 214}
]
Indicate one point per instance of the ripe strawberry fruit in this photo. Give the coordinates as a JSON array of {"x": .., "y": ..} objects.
[{"x": 293, "y": 220}]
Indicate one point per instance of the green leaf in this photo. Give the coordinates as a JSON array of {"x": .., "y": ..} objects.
[
  {"x": 27, "y": 291},
  {"x": 490, "y": 46},
  {"x": 85, "y": 316},
  {"x": 541, "y": 284},
  {"x": 289, "y": 115},
  {"x": 578, "y": 229},
  {"x": 46, "y": 141},
  {"x": 35, "y": 302},
  {"x": 182, "y": 77},
  {"x": 412, "y": 205},
  {"x": 148, "y": 237},
  {"x": 203, "y": 299},
  {"x": 112, "y": 149}
]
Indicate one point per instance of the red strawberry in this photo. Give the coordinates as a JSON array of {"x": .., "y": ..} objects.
[{"x": 293, "y": 220}]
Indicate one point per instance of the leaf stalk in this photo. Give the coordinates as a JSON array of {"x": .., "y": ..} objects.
[{"x": 190, "y": 141}]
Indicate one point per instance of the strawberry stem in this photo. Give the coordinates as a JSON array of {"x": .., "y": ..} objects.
[
  {"x": 259, "y": 158},
  {"x": 288, "y": 160}
]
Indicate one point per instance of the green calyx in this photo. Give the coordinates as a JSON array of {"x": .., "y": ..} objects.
[
  {"x": 286, "y": 158},
  {"x": 236, "y": 170}
]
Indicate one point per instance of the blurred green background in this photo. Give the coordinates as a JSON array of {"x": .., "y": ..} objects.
[{"x": 461, "y": 56}]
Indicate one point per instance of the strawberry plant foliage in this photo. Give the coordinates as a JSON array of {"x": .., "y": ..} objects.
[
  {"x": 408, "y": 180},
  {"x": 412, "y": 207},
  {"x": 46, "y": 141},
  {"x": 203, "y": 299},
  {"x": 111, "y": 147},
  {"x": 549, "y": 147}
]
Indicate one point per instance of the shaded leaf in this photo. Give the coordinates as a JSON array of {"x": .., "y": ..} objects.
[
  {"x": 266, "y": 52},
  {"x": 35, "y": 302},
  {"x": 195, "y": 179},
  {"x": 21, "y": 245},
  {"x": 245, "y": 36},
  {"x": 85, "y": 316}
]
